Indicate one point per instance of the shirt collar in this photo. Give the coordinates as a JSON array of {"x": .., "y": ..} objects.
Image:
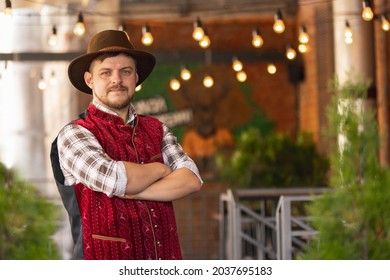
[{"x": 132, "y": 113}]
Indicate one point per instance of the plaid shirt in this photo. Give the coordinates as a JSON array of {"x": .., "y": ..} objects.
[{"x": 82, "y": 160}]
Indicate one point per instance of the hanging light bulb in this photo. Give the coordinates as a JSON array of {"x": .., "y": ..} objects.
[
  {"x": 291, "y": 54},
  {"x": 205, "y": 41},
  {"x": 147, "y": 37},
  {"x": 278, "y": 23},
  {"x": 348, "y": 33},
  {"x": 198, "y": 32},
  {"x": 174, "y": 84},
  {"x": 42, "y": 83},
  {"x": 385, "y": 23},
  {"x": 53, "y": 79},
  {"x": 185, "y": 74},
  {"x": 208, "y": 81},
  {"x": 257, "y": 40},
  {"x": 303, "y": 36},
  {"x": 79, "y": 28},
  {"x": 271, "y": 68},
  {"x": 241, "y": 76},
  {"x": 8, "y": 8},
  {"x": 138, "y": 88},
  {"x": 367, "y": 13},
  {"x": 237, "y": 64},
  {"x": 303, "y": 48},
  {"x": 53, "y": 37}
]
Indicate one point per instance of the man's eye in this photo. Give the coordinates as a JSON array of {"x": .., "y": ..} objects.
[
  {"x": 107, "y": 73},
  {"x": 126, "y": 72}
]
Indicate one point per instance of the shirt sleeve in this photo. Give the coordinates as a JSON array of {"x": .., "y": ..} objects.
[
  {"x": 82, "y": 160},
  {"x": 174, "y": 155}
]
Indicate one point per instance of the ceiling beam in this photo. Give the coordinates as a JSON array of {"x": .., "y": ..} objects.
[{"x": 171, "y": 56}]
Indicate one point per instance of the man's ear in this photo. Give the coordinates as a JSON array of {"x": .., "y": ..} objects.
[
  {"x": 88, "y": 79},
  {"x": 136, "y": 78}
]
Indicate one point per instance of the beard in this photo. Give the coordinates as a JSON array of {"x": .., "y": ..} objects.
[
  {"x": 119, "y": 105},
  {"x": 116, "y": 105}
]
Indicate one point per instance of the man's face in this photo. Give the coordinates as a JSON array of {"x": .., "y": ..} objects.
[{"x": 113, "y": 81}]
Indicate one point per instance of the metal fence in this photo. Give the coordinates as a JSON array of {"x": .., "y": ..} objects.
[{"x": 260, "y": 223}]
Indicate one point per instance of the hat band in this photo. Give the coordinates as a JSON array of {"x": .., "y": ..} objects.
[{"x": 114, "y": 48}]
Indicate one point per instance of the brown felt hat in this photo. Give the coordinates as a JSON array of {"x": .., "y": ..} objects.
[{"x": 108, "y": 41}]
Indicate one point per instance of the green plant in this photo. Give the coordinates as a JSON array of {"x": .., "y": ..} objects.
[
  {"x": 27, "y": 221},
  {"x": 353, "y": 219},
  {"x": 273, "y": 160}
]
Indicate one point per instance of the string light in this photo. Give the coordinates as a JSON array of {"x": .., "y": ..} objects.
[
  {"x": 367, "y": 13},
  {"x": 237, "y": 64},
  {"x": 138, "y": 88},
  {"x": 205, "y": 41},
  {"x": 241, "y": 76},
  {"x": 79, "y": 28},
  {"x": 385, "y": 23},
  {"x": 291, "y": 54},
  {"x": 53, "y": 37},
  {"x": 303, "y": 48},
  {"x": 303, "y": 36},
  {"x": 53, "y": 79},
  {"x": 185, "y": 74},
  {"x": 198, "y": 32},
  {"x": 208, "y": 81},
  {"x": 348, "y": 33},
  {"x": 147, "y": 37},
  {"x": 257, "y": 40},
  {"x": 174, "y": 84},
  {"x": 8, "y": 8},
  {"x": 42, "y": 84},
  {"x": 271, "y": 68},
  {"x": 279, "y": 26}
]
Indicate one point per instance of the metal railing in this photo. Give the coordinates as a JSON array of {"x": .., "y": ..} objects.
[
  {"x": 259, "y": 223},
  {"x": 293, "y": 232}
]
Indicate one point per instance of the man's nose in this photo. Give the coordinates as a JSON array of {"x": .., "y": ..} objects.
[{"x": 116, "y": 77}]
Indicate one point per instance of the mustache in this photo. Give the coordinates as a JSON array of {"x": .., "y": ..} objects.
[{"x": 117, "y": 87}]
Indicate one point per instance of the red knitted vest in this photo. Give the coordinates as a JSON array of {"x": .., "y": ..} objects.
[{"x": 115, "y": 228}]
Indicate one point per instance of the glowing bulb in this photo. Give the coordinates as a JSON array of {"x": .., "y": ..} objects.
[
  {"x": 42, "y": 84},
  {"x": 385, "y": 23},
  {"x": 237, "y": 65},
  {"x": 53, "y": 79},
  {"x": 257, "y": 40},
  {"x": 205, "y": 42},
  {"x": 367, "y": 13},
  {"x": 138, "y": 88},
  {"x": 303, "y": 48},
  {"x": 147, "y": 37},
  {"x": 208, "y": 81},
  {"x": 303, "y": 36},
  {"x": 241, "y": 76},
  {"x": 348, "y": 33},
  {"x": 291, "y": 53},
  {"x": 79, "y": 28},
  {"x": 174, "y": 84},
  {"x": 8, "y": 8},
  {"x": 271, "y": 68},
  {"x": 185, "y": 74},
  {"x": 278, "y": 23},
  {"x": 53, "y": 37},
  {"x": 198, "y": 32}
]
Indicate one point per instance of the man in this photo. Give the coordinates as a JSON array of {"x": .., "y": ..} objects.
[{"x": 118, "y": 172}]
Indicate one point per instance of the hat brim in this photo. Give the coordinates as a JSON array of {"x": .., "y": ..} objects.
[{"x": 78, "y": 66}]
